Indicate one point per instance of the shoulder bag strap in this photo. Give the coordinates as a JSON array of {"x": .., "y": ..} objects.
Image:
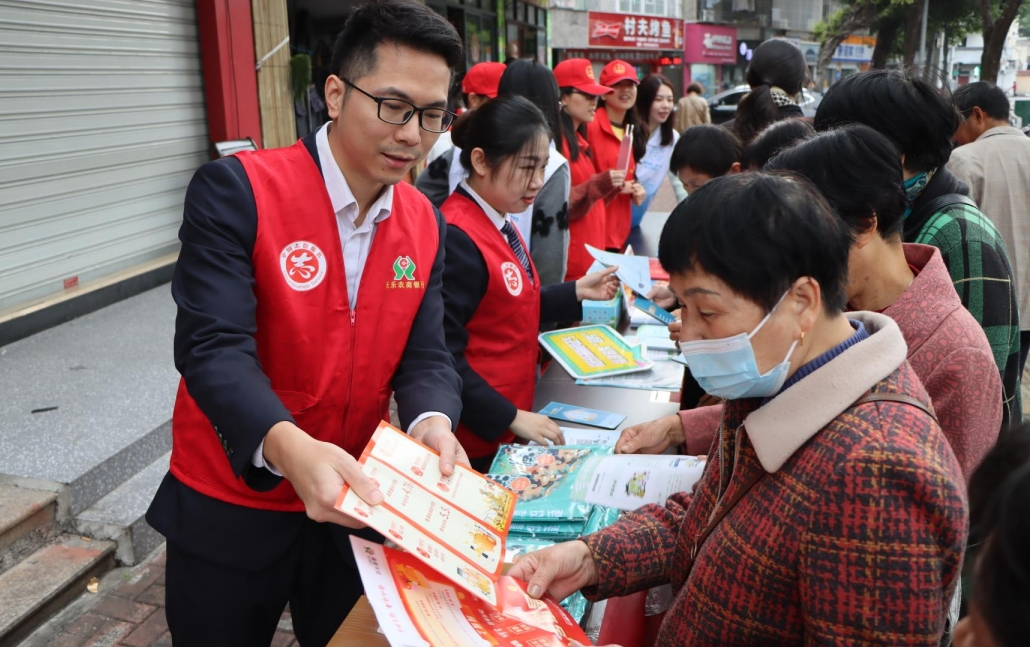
[
  {"x": 896, "y": 397},
  {"x": 939, "y": 203}
]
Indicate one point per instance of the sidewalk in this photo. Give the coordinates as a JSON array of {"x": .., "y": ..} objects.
[{"x": 128, "y": 610}]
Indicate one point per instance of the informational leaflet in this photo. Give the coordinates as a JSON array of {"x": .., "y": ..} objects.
[
  {"x": 628, "y": 481},
  {"x": 594, "y": 351},
  {"x": 456, "y": 524},
  {"x": 654, "y": 310},
  {"x": 416, "y": 607},
  {"x": 662, "y": 376},
  {"x": 574, "y": 436},
  {"x": 634, "y": 271},
  {"x": 583, "y": 415}
]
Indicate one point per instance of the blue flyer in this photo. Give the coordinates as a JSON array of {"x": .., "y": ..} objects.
[
  {"x": 582, "y": 415},
  {"x": 653, "y": 309}
]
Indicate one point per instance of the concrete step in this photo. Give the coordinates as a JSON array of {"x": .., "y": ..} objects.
[
  {"x": 46, "y": 581},
  {"x": 119, "y": 516},
  {"x": 87, "y": 404},
  {"x": 26, "y": 522}
]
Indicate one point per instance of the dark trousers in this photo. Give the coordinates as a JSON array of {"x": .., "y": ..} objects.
[{"x": 211, "y": 604}]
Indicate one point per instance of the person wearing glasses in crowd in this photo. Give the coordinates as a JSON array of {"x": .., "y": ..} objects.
[{"x": 309, "y": 287}]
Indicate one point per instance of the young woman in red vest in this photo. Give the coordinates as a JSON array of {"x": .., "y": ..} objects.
[
  {"x": 605, "y": 135},
  {"x": 493, "y": 301},
  {"x": 591, "y": 191}
]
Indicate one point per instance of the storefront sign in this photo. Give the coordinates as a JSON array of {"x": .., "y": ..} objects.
[
  {"x": 622, "y": 30},
  {"x": 630, "y": 56},
  {"x": 855, "y": 49},
  {"x": 713, "y": 44}
]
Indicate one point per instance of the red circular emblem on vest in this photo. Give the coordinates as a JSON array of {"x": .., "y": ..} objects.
[
  {"x": 303, "y": 265},
  {"x": 512, "y": 278}
]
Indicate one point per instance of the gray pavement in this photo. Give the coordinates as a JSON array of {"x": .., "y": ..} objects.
[{"x": 92, "y": 393}]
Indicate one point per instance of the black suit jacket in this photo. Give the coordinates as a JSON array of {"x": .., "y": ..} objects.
[{"x": 216, "y": 353}]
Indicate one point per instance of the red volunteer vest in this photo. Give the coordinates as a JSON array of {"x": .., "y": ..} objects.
[
  {"x": 330, "y": 366},
  {"x": 502, "y": 346},
  {"x": 590, "y": 229},
  {"x": 605, "y": 147}
]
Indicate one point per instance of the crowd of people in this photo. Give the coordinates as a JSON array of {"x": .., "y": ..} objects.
[{"x": 847, "y": 292}]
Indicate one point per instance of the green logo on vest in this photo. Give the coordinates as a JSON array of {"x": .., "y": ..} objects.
[{"x": 403, "y": 268}]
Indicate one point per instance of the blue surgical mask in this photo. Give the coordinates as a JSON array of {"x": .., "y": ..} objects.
[{"x": 727, "y": 368}]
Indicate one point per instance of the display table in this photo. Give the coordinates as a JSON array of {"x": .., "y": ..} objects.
[
  {"x": 360, "y": 629},
  {"x": 555, "y": 385}
]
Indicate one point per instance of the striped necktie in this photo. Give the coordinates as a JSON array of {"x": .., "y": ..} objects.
[{"x": 516, "y": 246}]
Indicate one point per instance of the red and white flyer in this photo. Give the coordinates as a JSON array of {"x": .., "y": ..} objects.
[
  {"x": 417, "y": 607},
  {"x": 456, "y": 524}
]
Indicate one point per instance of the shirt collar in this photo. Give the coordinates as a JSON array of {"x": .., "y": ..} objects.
[
  {"x": 495, "y": 216},
  {"x": 1001, "y": 130},
  {"x": 339, "y": 191}
]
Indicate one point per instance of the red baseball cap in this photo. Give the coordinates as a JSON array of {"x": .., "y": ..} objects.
[
  {"x": 483, "y": 78},
  {"x": 578, "y": 73},
  {"x": 618, "y": 71}
]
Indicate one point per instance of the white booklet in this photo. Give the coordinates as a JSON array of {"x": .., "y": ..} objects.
[
  {"x": 576, "y": 436},
  {"x": 628, "y": 481}
]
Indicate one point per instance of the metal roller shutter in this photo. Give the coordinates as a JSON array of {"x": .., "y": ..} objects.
[{"x": 102, "y": 124}]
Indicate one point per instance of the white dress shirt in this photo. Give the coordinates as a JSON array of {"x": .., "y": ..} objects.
[{"x": 355, "y": 241}]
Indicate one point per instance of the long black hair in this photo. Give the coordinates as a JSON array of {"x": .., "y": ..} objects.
[
  {"x": 646, "y": 94},
  {"x": 775, "y": 62},
  {"x": 569, "y": 131},
  {"x": 534, "y": 81},
  {"x": 501, "y": 127}
]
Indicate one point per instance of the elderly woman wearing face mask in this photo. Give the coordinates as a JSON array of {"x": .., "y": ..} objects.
[{"x": 831, "y": 510}]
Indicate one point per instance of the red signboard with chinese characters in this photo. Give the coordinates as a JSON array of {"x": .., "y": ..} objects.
[
  {"x": 714, "y": 44},
  {"x": 627, "y": 30}
]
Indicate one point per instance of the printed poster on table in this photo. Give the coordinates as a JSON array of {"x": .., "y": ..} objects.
[
  {"x": 416, "y": 607},
  {"x": 456, "y": 524},
  {"x": 594, "y": 351}
]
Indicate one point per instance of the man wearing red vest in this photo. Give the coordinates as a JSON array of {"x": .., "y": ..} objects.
[{"x": 286, "y": 368}]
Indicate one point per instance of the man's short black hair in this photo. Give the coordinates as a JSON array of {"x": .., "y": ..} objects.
[
  {"x": 858, "y": 170},
  {"x": 758, "y": 233},
  {"x": 400, "y": 22},
  {"x": 911, "y": 112},
  {"x": 706, "y": 149},
  {"x": 986, "y": 96}
]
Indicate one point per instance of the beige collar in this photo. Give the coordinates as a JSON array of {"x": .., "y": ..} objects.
[{"x": 788, "y": 421}]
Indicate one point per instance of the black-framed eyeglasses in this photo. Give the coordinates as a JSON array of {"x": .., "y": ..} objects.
[{"x": 398, "y": 112}]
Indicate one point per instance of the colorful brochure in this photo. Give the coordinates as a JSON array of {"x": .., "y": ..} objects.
[
  {"x": 594, "y": 351},
  {"x": 583, "y": 415},
  {"x": 416, "y": 607},
  {"x": 634, "y": 271},
  {"x": 456, "y": 524},
  {"x": 650, "y": 307},
  {"x": 628, "y": 481}
]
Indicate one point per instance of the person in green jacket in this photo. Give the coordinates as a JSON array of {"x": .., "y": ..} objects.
[{"x": 921, "y": 121}]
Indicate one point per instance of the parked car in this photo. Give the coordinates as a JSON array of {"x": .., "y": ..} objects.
[{"x": 723, "y": 106}]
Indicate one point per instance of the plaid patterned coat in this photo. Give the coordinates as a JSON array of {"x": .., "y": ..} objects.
[
  {"x": 854, "y": 535},
  {"x": 975, "y": 255}
]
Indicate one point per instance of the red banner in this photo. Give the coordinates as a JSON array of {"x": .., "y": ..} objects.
[{"x": 627, "y": 30}]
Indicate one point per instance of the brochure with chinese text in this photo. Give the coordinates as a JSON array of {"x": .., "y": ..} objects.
[
  {"x": 456, "y": 524},
  {"x": 416, "y": 607}
]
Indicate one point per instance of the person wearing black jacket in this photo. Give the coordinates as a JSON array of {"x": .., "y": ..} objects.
[{"x": 287, "y": 366}]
